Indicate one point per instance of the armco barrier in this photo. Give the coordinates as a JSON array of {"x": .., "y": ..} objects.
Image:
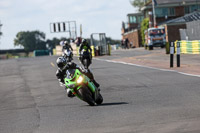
[
  {"x": 40, "y": 52},
  {"x": 184, "y": 47},
  {"x": 189, "y": 47}
]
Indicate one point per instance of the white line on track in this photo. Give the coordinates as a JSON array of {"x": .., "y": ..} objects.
[{"x": 166, "y": 70}]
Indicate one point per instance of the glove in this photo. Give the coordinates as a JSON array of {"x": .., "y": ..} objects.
[
  {"x": 84, "y": 70},
  {"x": 62, "y": 84}
]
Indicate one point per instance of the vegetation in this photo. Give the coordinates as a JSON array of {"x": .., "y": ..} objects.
[
  {"x": 35, "y": 40},
  {"x": 167, "y": 48},
  {"x": 109, "y": 41},
  {"x": 144, "y": 26},
  {"x": 137, "y": 3},
  {"x": 112, "y": 41},
  {"x": 30, "y": 40}
]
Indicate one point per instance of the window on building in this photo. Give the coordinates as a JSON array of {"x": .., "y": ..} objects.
[
  {"x": 187, "y": 9},
  {"x": 192, "y": 8},
  {"x": 140, "y": 18},
  {"x": 171, "y": 12},
  {"x": 159, "y": 12},
  {"x": 132, "y": 19},
  {"x": 162, "y": 12}
]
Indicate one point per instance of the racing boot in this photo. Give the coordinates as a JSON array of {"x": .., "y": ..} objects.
[{"x": 96, "y": 84}]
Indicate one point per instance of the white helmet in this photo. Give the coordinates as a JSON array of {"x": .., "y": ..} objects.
[
  {"x": 62, "y": 43},
  {"x": 66, "y": 43}
]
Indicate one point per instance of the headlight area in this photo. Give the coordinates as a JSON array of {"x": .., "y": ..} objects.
[
  {"x": 71, "y": 85},
  {"x": 79, "y": 80}
]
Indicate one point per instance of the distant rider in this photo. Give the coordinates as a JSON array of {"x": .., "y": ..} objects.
[
  {"x": 84, "y": 46},
  {"x": 66, "y": 49},
  {"x": 66, "y": 45},
  {"x": 63, "y": 66}
]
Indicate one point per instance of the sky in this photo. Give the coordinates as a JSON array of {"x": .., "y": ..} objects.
[{"x": 95, "y": 16}]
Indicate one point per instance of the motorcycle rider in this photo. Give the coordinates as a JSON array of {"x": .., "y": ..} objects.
[
  {"x": 84, "y": 46},
  {"x": 63, "y": 66},
  {"x": 66, "y": 46}
]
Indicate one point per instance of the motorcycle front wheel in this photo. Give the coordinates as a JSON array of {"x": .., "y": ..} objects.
[
  {"x": 86, "y": 63},
  {"x": 86, "y": 96},
  {"x": 99, "y": 99}
]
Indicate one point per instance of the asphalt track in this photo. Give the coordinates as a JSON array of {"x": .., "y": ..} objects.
[{"x": 136, "y": 100}]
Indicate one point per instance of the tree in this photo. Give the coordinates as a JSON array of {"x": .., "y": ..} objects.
[
  {"x": 144, "y": 26},
  {"x": 52, "y": 43},
  {"x": 137, "y": 3},
  {"x": 112, "y": 41},
  {"x": 30, "y": 40}
]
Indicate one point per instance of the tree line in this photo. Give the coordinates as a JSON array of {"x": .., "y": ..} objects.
[{"x": 36, "y": 40}]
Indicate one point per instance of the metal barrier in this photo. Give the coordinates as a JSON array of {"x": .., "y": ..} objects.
[
  {"x": 41, "y": 52},
  {"x": 184, "y": 47},
  {"x": 189, "y": 47}
]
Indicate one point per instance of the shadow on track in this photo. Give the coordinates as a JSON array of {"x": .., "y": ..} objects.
[{"x": 110, "y": 104}]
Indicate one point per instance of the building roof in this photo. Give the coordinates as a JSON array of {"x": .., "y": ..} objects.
[
  {"x": 171, "y": 3},
  {"x": 135, "y": 14},
  {"x": 175, "y": 1},
  {"x": 194, "y": 16}
]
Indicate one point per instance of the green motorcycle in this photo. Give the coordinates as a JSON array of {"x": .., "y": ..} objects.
[{"x": 81, "y": 86}]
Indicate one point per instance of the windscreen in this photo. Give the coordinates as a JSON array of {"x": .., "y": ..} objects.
[
  {"x": 154, "y": 32},
  {"x": 70, "y": 73}
]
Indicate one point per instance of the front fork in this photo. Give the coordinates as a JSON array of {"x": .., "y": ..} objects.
[{"x": 91, "y": 86}]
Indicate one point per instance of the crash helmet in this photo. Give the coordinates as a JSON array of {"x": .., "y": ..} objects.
[
  {"x": 61, "y": 62},
  {"x": 65, "y": 42},
  {"x": 84, "y": 41}
]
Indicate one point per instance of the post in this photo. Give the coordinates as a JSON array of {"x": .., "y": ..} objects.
[
  {"x": 178, "y": 54},
  {"x": 154, "y": 14},
  {"x": 171, "y": 54}
]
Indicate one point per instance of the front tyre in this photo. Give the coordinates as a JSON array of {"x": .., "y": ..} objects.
[
  {"x": 86, "y": 96},
  {"x": 86, "y": 63}
]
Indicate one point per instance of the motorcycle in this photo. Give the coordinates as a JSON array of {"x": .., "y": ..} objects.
[
  {"x": 68, "y": 55},
  {"x": 81, "y": 86},
  {"x": 85, "y": 59}
]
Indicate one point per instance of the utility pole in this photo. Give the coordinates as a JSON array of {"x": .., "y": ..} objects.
[{"x": 154, "y": 14}]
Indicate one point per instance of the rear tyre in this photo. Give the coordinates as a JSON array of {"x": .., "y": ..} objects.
[
  {"x": 99, "y": 99},
  {"x": 86, "y": 95}
]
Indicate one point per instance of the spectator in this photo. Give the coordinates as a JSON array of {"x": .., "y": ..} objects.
[
  {"x": 122, "y": 44},
  {"x": 78, "y": 41},
  {"x": 127, "y": 43}
]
